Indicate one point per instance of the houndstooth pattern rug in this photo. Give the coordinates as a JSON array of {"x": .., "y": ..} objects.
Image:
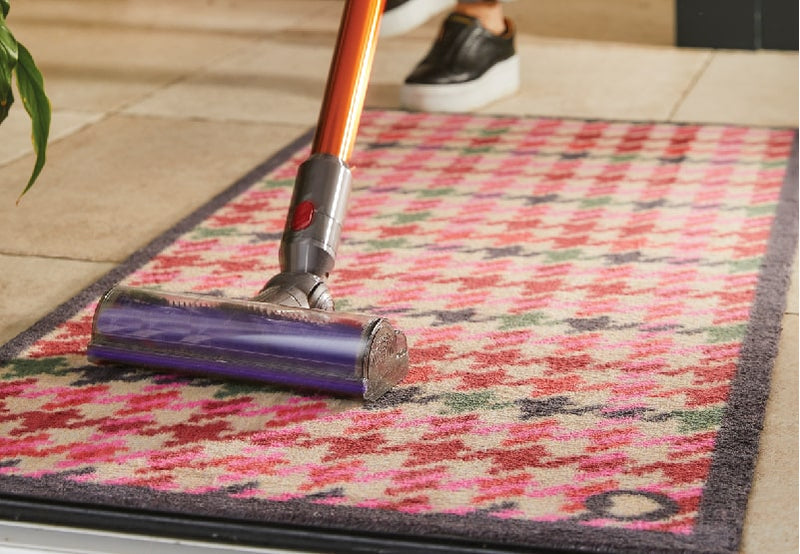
[{"x": 592, "y": 309}]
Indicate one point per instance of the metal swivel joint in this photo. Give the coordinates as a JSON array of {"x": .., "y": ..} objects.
[{"x": 311, "y": 236}]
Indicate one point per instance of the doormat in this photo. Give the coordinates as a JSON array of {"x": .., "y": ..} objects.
[{"x": 592, "y": 308}]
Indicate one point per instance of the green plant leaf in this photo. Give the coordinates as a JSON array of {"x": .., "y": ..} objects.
[
  {"x": 31, "y": 90},
  {"x": 8, "y": 61},
  {"x": 6, "y": 96},
  {"x": 7, "y": 40},
  {"x": 5, "y": 6}
]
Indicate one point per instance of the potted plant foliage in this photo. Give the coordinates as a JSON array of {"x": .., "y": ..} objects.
[{"x": 15, "y": 59}]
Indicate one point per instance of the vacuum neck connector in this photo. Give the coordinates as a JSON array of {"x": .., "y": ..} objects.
[
  {"x": 297, "y": 290},
  {"x": 311, "y": 235},
  {"x": 315, "y": 217}
]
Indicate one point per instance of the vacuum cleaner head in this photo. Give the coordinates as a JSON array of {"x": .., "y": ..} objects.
[{"x": 343, "y": 353}]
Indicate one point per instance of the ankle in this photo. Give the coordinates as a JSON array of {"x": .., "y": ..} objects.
[{"x": 489, "y": 13}]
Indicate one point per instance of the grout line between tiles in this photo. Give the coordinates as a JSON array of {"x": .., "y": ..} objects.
[
  {"x": 125, "y": 106},
  {"x": 300, "y": 125},
  {"x": 58, "y": 258},
  {"x": 77, "y": 23},
  {"x": 178, "y": 79},
  {"x": 692, "y": 83}
]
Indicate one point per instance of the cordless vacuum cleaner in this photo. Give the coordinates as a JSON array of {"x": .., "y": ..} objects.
[{"x": 288, "y": 334}]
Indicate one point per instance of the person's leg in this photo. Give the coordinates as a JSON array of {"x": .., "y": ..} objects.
[
  {"x": 472, "y": 62},
  {"x": 400, "y": 16},
  {"x": 489, "y": 13}
]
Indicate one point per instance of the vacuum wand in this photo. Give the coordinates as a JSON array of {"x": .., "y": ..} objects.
[
  {"x": 321, "y": 190},
  {"x": 289, "y": 333}
]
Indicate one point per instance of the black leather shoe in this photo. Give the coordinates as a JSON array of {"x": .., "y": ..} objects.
[{"x": 465, "y": 68}]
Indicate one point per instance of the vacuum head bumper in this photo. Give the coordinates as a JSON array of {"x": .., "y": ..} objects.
[{"x": 336, "y": 352}]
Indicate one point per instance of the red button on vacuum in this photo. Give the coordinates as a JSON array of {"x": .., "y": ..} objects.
[{"x": 303, "y": 214}]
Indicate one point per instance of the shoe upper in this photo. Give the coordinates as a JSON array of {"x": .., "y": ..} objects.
[{"x": 463, "y": 51}]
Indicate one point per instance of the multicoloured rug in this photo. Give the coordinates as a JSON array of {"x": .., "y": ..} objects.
[{"x": 593, "y": 310}]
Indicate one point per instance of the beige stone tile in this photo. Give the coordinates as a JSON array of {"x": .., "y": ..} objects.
[
  {"x": 100, "y": 69},
  {"x": 749, "y": 88},
  {"x": 772, "y": 513},
  {"x": 602, "y": 80},
  {"x": 114, "y": 186},
  {"x": 278, "y": 80},
  {"x": 254, "y": 18},
  {"x": 16, "y": 130},
  {"x": 31, "y": 287}
]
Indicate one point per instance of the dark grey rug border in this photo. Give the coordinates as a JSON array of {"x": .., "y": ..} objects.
[
  {"x": 371, "y": 529},
  {"x": 730, "y": 477}
]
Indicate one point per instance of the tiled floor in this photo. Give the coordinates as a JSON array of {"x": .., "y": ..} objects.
[{"x": 160, "y": 105}]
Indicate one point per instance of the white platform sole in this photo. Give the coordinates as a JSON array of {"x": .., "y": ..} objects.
[
  {"x": 410, "y": 15},
  {"x": 500, "y": 81}
]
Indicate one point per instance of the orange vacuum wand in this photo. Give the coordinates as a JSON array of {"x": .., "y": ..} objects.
[{"x": 348, "y": 79}]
